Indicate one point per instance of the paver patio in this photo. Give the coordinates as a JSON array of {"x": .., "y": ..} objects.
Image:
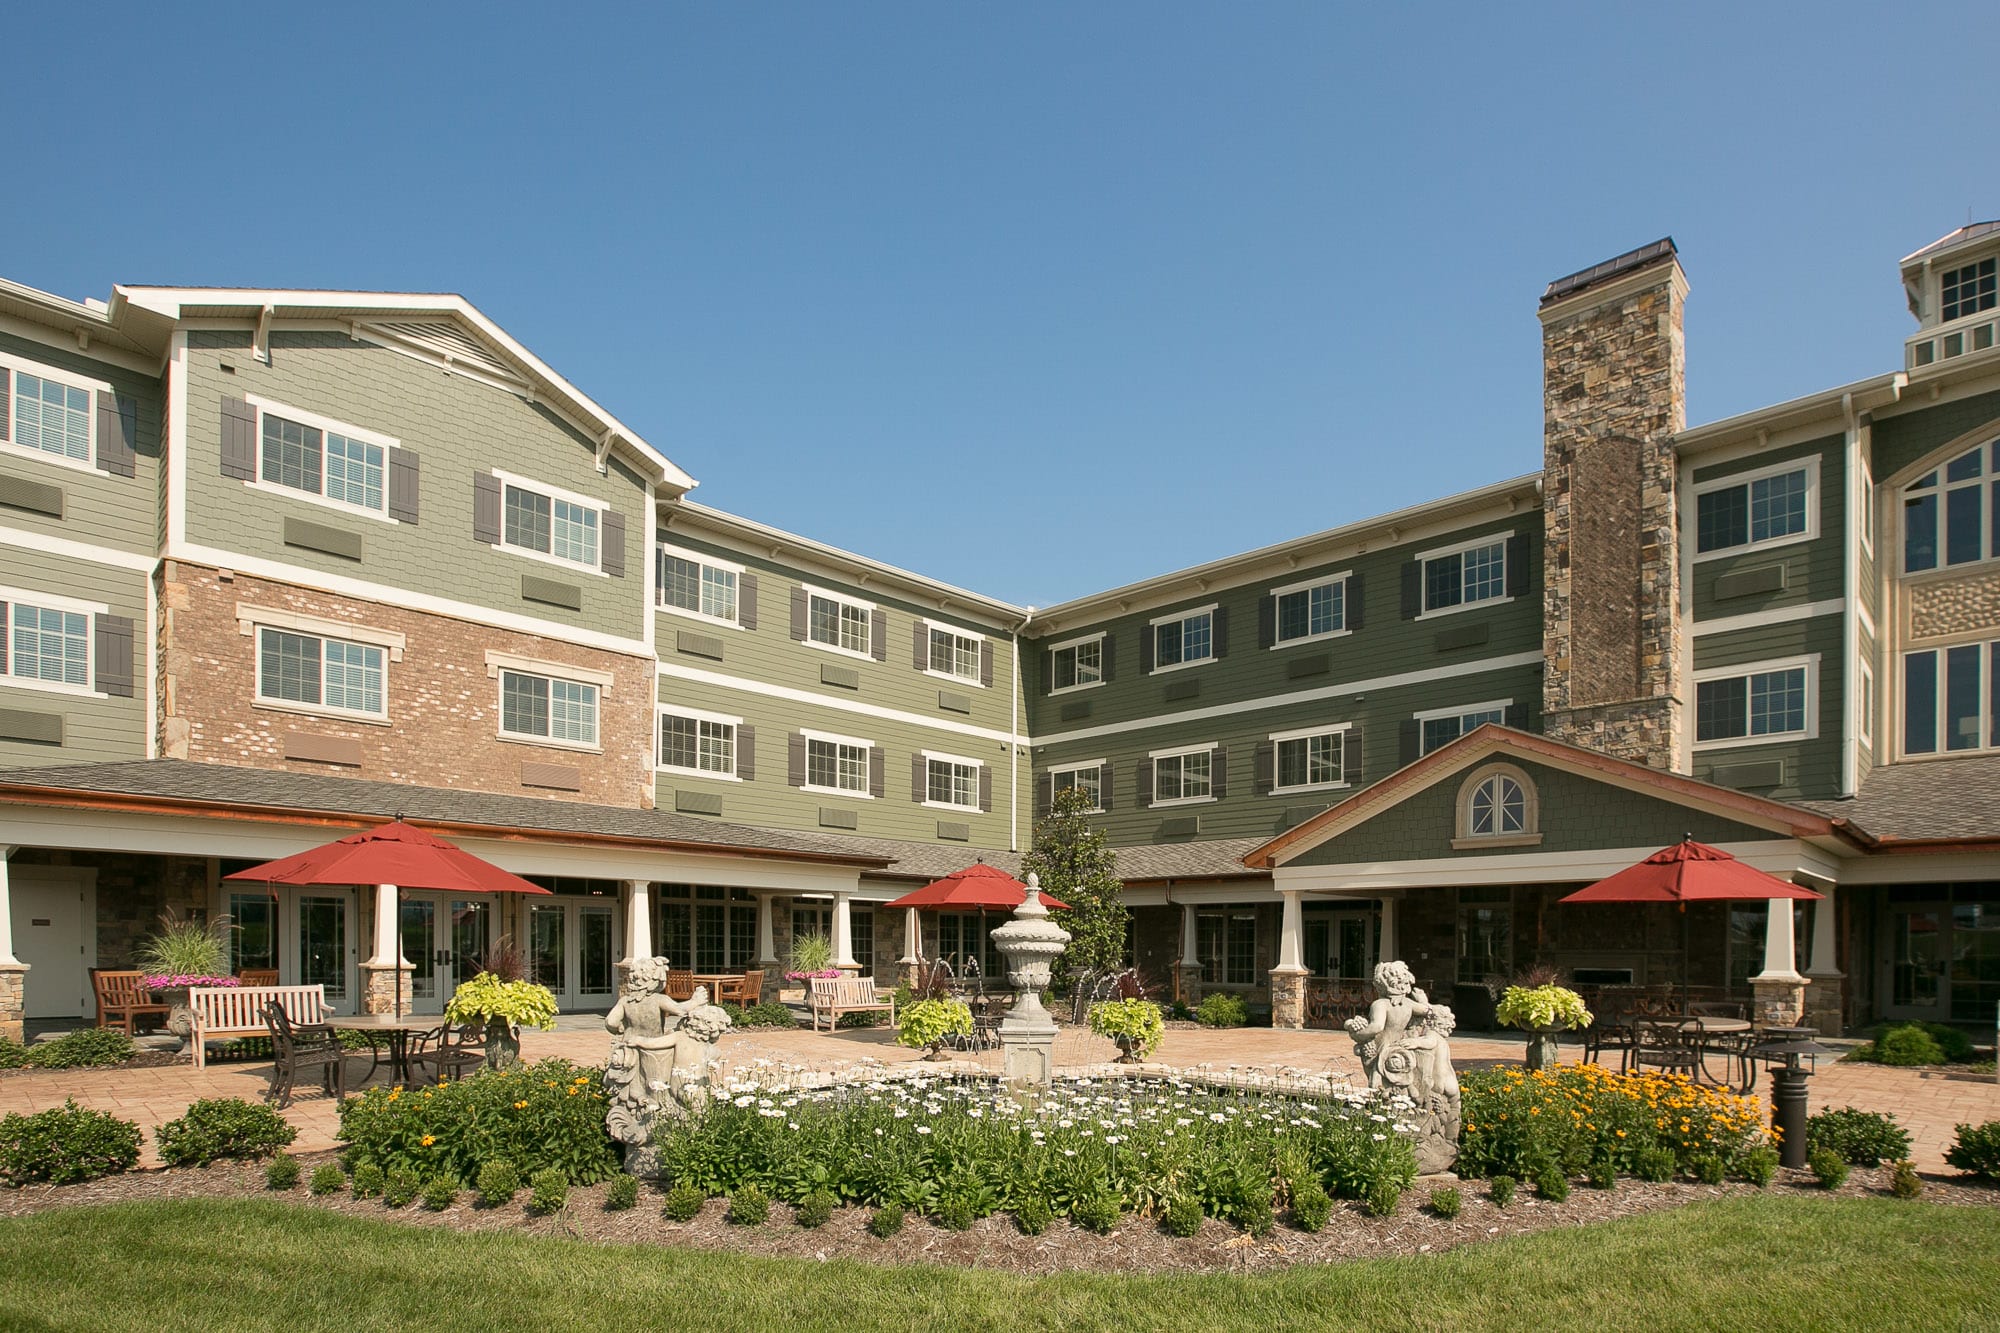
[{"x": 1928, "y": 1103}]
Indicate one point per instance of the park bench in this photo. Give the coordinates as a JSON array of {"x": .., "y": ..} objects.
[
  {"x": 122, "y": 999},
  {"x": 834, "y": 996},
  {"x": 221, "y": 1012}
]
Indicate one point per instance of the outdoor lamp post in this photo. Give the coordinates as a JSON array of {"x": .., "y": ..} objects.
[{"x": 1788, "y": 1095}]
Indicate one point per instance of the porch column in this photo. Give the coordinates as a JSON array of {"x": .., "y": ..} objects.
[
  {"x": 912, "y": 961},
  {"x": 386, "y": 976},
  {"x": 767, "y": 952},
  {"x": 1825, "y": 963},
  {"x": 7, "y": 958},
  {"x": 638, "y": 920},
  {"x": 843, "y": 934},
  {"x": 1779, "y": 989},
  {"x": 13, "y": 972},
  {"x": 1825, "y": 1003},
  {"x": 1288, "y": 978},
  {"x": 1390, "y": 946},
  {"x": 1187, "y": 972}
]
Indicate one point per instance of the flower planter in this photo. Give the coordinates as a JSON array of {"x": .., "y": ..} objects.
[
  {"x": 791, "y": 995},
  {"x": 1128, "y": 1049},
  {"x": 1542, "y": 1048},
  {"x": 503, "y": 1044}
]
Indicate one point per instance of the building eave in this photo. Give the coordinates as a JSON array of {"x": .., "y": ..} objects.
[{"x": 1829, "y": 405}]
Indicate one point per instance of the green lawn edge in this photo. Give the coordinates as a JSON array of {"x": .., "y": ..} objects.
[{"x": 1767, "y": 1262}]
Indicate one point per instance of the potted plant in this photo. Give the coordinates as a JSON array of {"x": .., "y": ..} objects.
[
  {"x": 1543, "y": 1011},
  {"x": 1136, "y": 1025},
  {"x": 181, "y": 954},
  {"x": 928, "y": 1024},
  {"x": 811, "y": 957},
  {"x": 502, "y": 1007}
]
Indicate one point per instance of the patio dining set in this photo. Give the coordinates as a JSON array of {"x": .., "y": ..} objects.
[{"x": 1667, "y": 1031}]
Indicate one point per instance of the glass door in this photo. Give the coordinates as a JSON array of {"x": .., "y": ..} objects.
[
  {"x": 323, "y": 928},
  {"x": 547, "y": 937},
  {"x": 596, "y": 952},
  {"x": 420, "y": 947},
  {"x": 471, "y": 933},
  {"x": 445, "y": 940},
  {"x": 1354, "y": 944},
  {"x": 1917, "y": 960}
]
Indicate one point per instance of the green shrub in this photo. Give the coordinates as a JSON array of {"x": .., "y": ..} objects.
[
  {"x": 441, "y": 1192},
  {"x": 1097, "y": 1212},
  {"x": 622, "y": 1194},
  {"x": 1255, "y": 1214},
  {"x": 1828, "y": 1167},
  {"x": 1500, "y": 1189},
  {"x": 327, "y": 1179},
  {"x": 861, "y": 1020},
  {"x": 369, "y": 1180},
  {"x": 955, "y": 1213},
  {"x": 1179, "y": 1012},
  {"x": 1183, "y": 1215},
  {"x": 548, "y": 1190},
  {"x": 684, "y": 1202},
  {"x": 400, "y": 1188},
  {"x": 217, "y": 1127},
  {"x": 282, "y": 1173},
  {"x": 1864, "y": 1138},
  {"x": 547, "y": 1115},
  {"x": 749, "y": 1207},
  {"x": 1602, "y": 1173},
  {"x": 886, "y": 1221},
  {"x": 1977, "y": 1149},
  {"x": 1033, "y": 1215},
  {"x": 1552, "y": 1184},
  {"x": 498, "y": 1182},
  {"x": 1656, "y": 1166},
  {"x": 1759, "y": 1166},
  {"x": 81, "y": 1049},
  {"x": 1311, "y": 1207},
  {"x": 1905, "y": 1183},
  {"x": 1908, "y": 1044},
  {"x": 13, "y": 1055},
  {"x": 1220, "y": 1009},
  {"x": 1445, "y": 1202},
  {"x": 815, "y": 1210},
  {"x": 1383, "y": 1197},
  {"x": 65, "y": 1144},
  {"x": 768, "y": 1014},
  {"x": 1517, "y": 1121},
  {"x": 1710, "y": 1169}
]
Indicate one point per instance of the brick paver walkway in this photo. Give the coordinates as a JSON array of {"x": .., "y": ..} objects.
[{"x": 1927, "y": 1103}]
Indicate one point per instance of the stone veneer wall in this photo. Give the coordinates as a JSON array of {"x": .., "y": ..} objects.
[
  {"x": 1613, "y": 398},
  {"x": 133, "y": 889}
]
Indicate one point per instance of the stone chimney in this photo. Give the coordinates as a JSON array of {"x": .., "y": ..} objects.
[{"x": 1613, "y": 371}]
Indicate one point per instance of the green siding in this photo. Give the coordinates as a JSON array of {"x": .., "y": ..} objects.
[
  {"x": 1902, "y": 440},
  {"x": 1577, "y": 814},
  {"x": 1812, "y": 767},
  {"x": 98, "y": 508},
  {"x": 457, "y": 426},
  {"x": 95, "y": 727},
  {"x": 1814, "y": 570}
]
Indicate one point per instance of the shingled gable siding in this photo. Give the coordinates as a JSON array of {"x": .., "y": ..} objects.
[
  {"x": 94, "y": 728},
  {"x": 443, "y": 707},
  {"x": 457, "y": 426},
  {"x": 99, "y": 507}
]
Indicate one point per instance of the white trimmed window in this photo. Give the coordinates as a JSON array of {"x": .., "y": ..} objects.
[
  {"x": 1949, "y": 704},
  {"x": 1184, "y": 775},
  {"x": 1498, "y": 802},
  {"x": 547, "y": 522},
  {"x": 318, "y": 457},
  {"x": 953, "y": 654},
  {"x": 1226, "y": 944},
  {"x": 48, "y": 416},
  {"x": 950, "y": 781},
  {"x": 1443, "y": 726},
  {"x": 1183, "y": 639},
  {"x": 1752, "y": 704},
  {"x": 698, "y": 585},
  {"x": 1950, "y": 512},
  {"x": 836, "y": 622},
  {"x": 836, "y": 764},
  {"x": 1075, "y": 665},
  {"x": 1465, "y": 575},
  {"x": 1967, "y": 290},
  {"x": 1764, "y": 508},
  {"x": 1313, "y": 610},
  {"x": 548, "y": 709},
  {"x": 46, "y": 643},
  {"x": 1866, "y": 703},
  {"x": 1309, "y": 759},
  {"x": 320, "y": 673},
  {"x": 703, "y": 743},
  {"x": 1086, "y": 778}
]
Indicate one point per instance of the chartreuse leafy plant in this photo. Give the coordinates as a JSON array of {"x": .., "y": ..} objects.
[
  {"x": 1542, "y": 1007},
  {"x": 1139, "y": 1021},
  {"x": 927, "y": 1023},
  {"x": 486, "y": 996}
]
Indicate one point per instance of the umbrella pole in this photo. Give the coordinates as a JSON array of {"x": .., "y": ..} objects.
[
  {"x": 1687, "y": 957},
  {"x": 396, "y": 974}
]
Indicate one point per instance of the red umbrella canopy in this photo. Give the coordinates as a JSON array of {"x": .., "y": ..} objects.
[
  {"x": 976, "y": 886},
  {"x": 1688, "y": 871},
  {"x": 392, "y": 854}
]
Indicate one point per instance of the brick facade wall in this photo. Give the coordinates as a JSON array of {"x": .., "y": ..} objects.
[{"x": 443, "y": 705}]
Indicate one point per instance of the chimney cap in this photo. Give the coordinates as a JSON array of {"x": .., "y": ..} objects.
[{"x": 1610, "y": 268}]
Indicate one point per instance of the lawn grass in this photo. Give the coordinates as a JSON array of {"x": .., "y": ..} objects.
[{"x": 1766, "y": 1262}]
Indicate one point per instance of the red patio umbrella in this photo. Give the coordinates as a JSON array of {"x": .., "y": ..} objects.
[
  {"x": 975, "y": 888},
  {"x": 1686, "y": 872},
  {"x": 395, "y": 853}
]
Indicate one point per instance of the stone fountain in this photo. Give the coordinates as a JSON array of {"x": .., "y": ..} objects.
[{"x": 1030, "y": 943}]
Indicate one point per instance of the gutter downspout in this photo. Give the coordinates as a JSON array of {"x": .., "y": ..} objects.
[{"x": 1014, "y": 743}]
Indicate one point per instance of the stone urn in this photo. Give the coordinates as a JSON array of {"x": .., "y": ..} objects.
[
  {"x": 503, "y": 1044},
  {"x": 180, "y": 1018},
  {"x": 1542, "y": 1047},
  {"x": 1128, "y": 1048},
  {"x": 1030, "y": 943}
]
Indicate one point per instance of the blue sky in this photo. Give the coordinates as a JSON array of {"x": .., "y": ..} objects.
[{"x": 1035, "y": 299}]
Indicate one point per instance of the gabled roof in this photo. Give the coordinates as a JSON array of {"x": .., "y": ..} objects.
[
  {"x": 440, "y": 326},
  {"x": 1492, "y": 739},
  {"x": 1925, "y": 805},
  {"x": 1951, "y": 240}
]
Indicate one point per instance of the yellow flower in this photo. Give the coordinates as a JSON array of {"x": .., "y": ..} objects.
[
  {"x": 572, "y": 1091},
  {"x": 429, "y": 1139},
  {"x": 520, "y": 1106}
]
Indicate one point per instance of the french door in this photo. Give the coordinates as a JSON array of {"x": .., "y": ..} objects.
[
  {"x": 445, "y": 938},
  {"x": 573, "y": 950},
  {"x": 1340, "y": 944},
  {"x": 308, "y": 935}
]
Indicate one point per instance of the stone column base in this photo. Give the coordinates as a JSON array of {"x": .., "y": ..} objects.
[
  {"x": 1027, "y": 1051},
  {"x": 1288, "y": 998},
  {"x": 1826, "y": 1003},
  {"x": 1780, "y": 1001},
  {"x": 13, "y": 999},
  {"x": 379, "y": 984},
  {"x": 911, "y": 974},
  {"x": 1189, "y": 976}
]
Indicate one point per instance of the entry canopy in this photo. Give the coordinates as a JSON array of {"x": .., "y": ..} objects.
[
  {"x": 979, "y": 887},
  {"x": 396, "y": 854},
  {"x": 1686, "y": 872}
]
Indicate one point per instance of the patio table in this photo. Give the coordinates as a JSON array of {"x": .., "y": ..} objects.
[
  {"x": 1735, "y": 1033},
  {"x": 395, "y": 1030}
]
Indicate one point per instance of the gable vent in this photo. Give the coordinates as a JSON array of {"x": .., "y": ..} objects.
[{"x": 449, "y": 340}]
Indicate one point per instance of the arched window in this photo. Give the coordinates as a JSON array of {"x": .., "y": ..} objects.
[
  {"x": 1497, "y": 803},
  {"x": 1948, "y": 517}
]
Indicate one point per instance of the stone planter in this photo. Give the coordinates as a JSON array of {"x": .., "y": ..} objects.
[
  {"x": 1128, "y": 1048},
  {"x": 503, "y": 1044},
  {"x": 1542, "y": 1048},
  {"x": 180, "y": 1021}
]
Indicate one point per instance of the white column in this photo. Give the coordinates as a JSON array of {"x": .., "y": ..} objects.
[
  {"x": 7, "y": 958},
  {"x": 1291, "y": 935},
  {"x": 767, "y": 952},
  {"x": 1825, "y": 958},
  {"x": 638, "y": 920},
  {"x": 1780, "y": 954},
  {"x": 1389, "y": 941},
  {"x": 913, "y": 938},
  {"x": 388, "y": 949},
  {"x": 843, "y": 934},
  {"x": 1189, "y": 958}
]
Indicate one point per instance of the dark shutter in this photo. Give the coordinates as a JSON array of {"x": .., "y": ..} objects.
[
  {"x": 1413, "y": 589},
  {"x": 1409, "y": 741},
  {"x": 1145, "y": 784},
  {"x": 878, "y": 634},
  {"x": 404, "y": 465},
  {"x": 1218, "y": 631},
  {"x": 986, "y": 663},
  {"x": 1351, "y": 755},
  {"x": 920, "y": 646},
  {"x": 1517, "y": 565},
  {"x": 114, "y": 656},
  {"x": 746, "y": 753},
  {"x": 1218, "y": 772},
  {"x": 486, "y": 508},
  {"x": 795, "y": 759},
  {"x": 1264, "y": 768},
  {"x": 239, "y": 440},
  {"x": 6, "y": 403},
  {"x": 1045, "y": 795},
  {"x": 1267, "y": 621},
  {"x": 920, "y": 774},
  {"x": 1517, "y": 716},
  {"x": 799, "y": 598},
  {"x": 117, "y": 434},
  {"x": 985, "y": 790},
  {"x": 611, "y": 543},
  {"x": 1104, "y": 785},
  {"x": 1350, "y": 603},
  {"x": 746, "y": 600},
  {"x": 1104, "y": 657},
  {"x": 878, "y": 771},
  {"x": 1148, "y": 636}
]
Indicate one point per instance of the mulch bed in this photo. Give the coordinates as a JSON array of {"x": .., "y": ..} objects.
[{"x": 1138, "y": 1245}]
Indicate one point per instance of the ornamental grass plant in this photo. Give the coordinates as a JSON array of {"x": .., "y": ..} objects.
[
  {"x": 549, "y": 1114},
  {"x": 1522, "y": 1122}
]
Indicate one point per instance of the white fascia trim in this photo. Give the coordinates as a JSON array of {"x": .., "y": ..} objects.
[
  {"x": 66, "y": 341},
  {"x": 944, "y": 758},
  {"x": 1489, "y": 706},
  {"x": 73, "y": 550},
  {"x": 52, "y": 601},
  {"x": 1185, "y": 613},
  {"x": 176, "y": 444},
  {"x": 1181, "y": 750},
  {"x": 1780, "y": 857},
  {"x": 1809, "y": 661},
  {"x": 835, "y": 738},
  {"x": 1808, "y": 465},
  {"x": 675, "y": 671},
  {"x": 342, "y": 586},
  {"x": 497, "y": 661},
  {"x": 249, "y": 617},
  {"x": 1317, "y": 695},
  {"x": 1777, "y": 615},
  {"x": 1306, "y": 733}
]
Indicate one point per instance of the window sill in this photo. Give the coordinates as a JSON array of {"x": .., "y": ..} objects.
[
  {"x": 969, "y": 682},
  {"x": 1072, "y": 689},
  {"x": 1180, "y": 666},
  {"x": 702, "y": 616},
  {"x": 322, "y": 502},
  {"x": 710, "y": 774},
  {"x": 1181, "y": 800},
  {"x": 1773, "y": 738},
  {"x": 543, "y": 557},
  {"x": 51, "y": 687},
  {"x": 1497, "y": 840},
  {"x": 1314, "y": 787},
  {"x": 8, "y": 449},
  {"x": 1757, "y": 548},
  {"x": 330, "y": 714},
  {"x": 841, "y": 792},
  {"x": 547, "y": 743},
  {"x": 1464, "y": 606},
  {"x": 955, "y": 809},
  {"x": 837, "y": 650},
  {"x": 1321, "y": 637}
]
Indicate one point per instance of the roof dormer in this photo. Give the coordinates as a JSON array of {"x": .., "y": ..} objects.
[{"x": 1953, "y": 285}]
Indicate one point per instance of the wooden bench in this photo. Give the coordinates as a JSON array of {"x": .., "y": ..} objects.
[
  {"x": 122, "y": 999},
  {"x": 834, "y": 996},
  {"x": 238, "y": 1011}
]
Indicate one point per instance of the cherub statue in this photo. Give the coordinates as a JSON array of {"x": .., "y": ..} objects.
[
  {"x": 1398, "y": 1000},
  {"x": 661, "y": 1050},
  {"x": 1403, "y": 1044}
]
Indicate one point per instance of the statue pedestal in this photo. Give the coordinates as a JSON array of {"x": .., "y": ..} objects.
[{"x": 1027, "y": 1047}]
